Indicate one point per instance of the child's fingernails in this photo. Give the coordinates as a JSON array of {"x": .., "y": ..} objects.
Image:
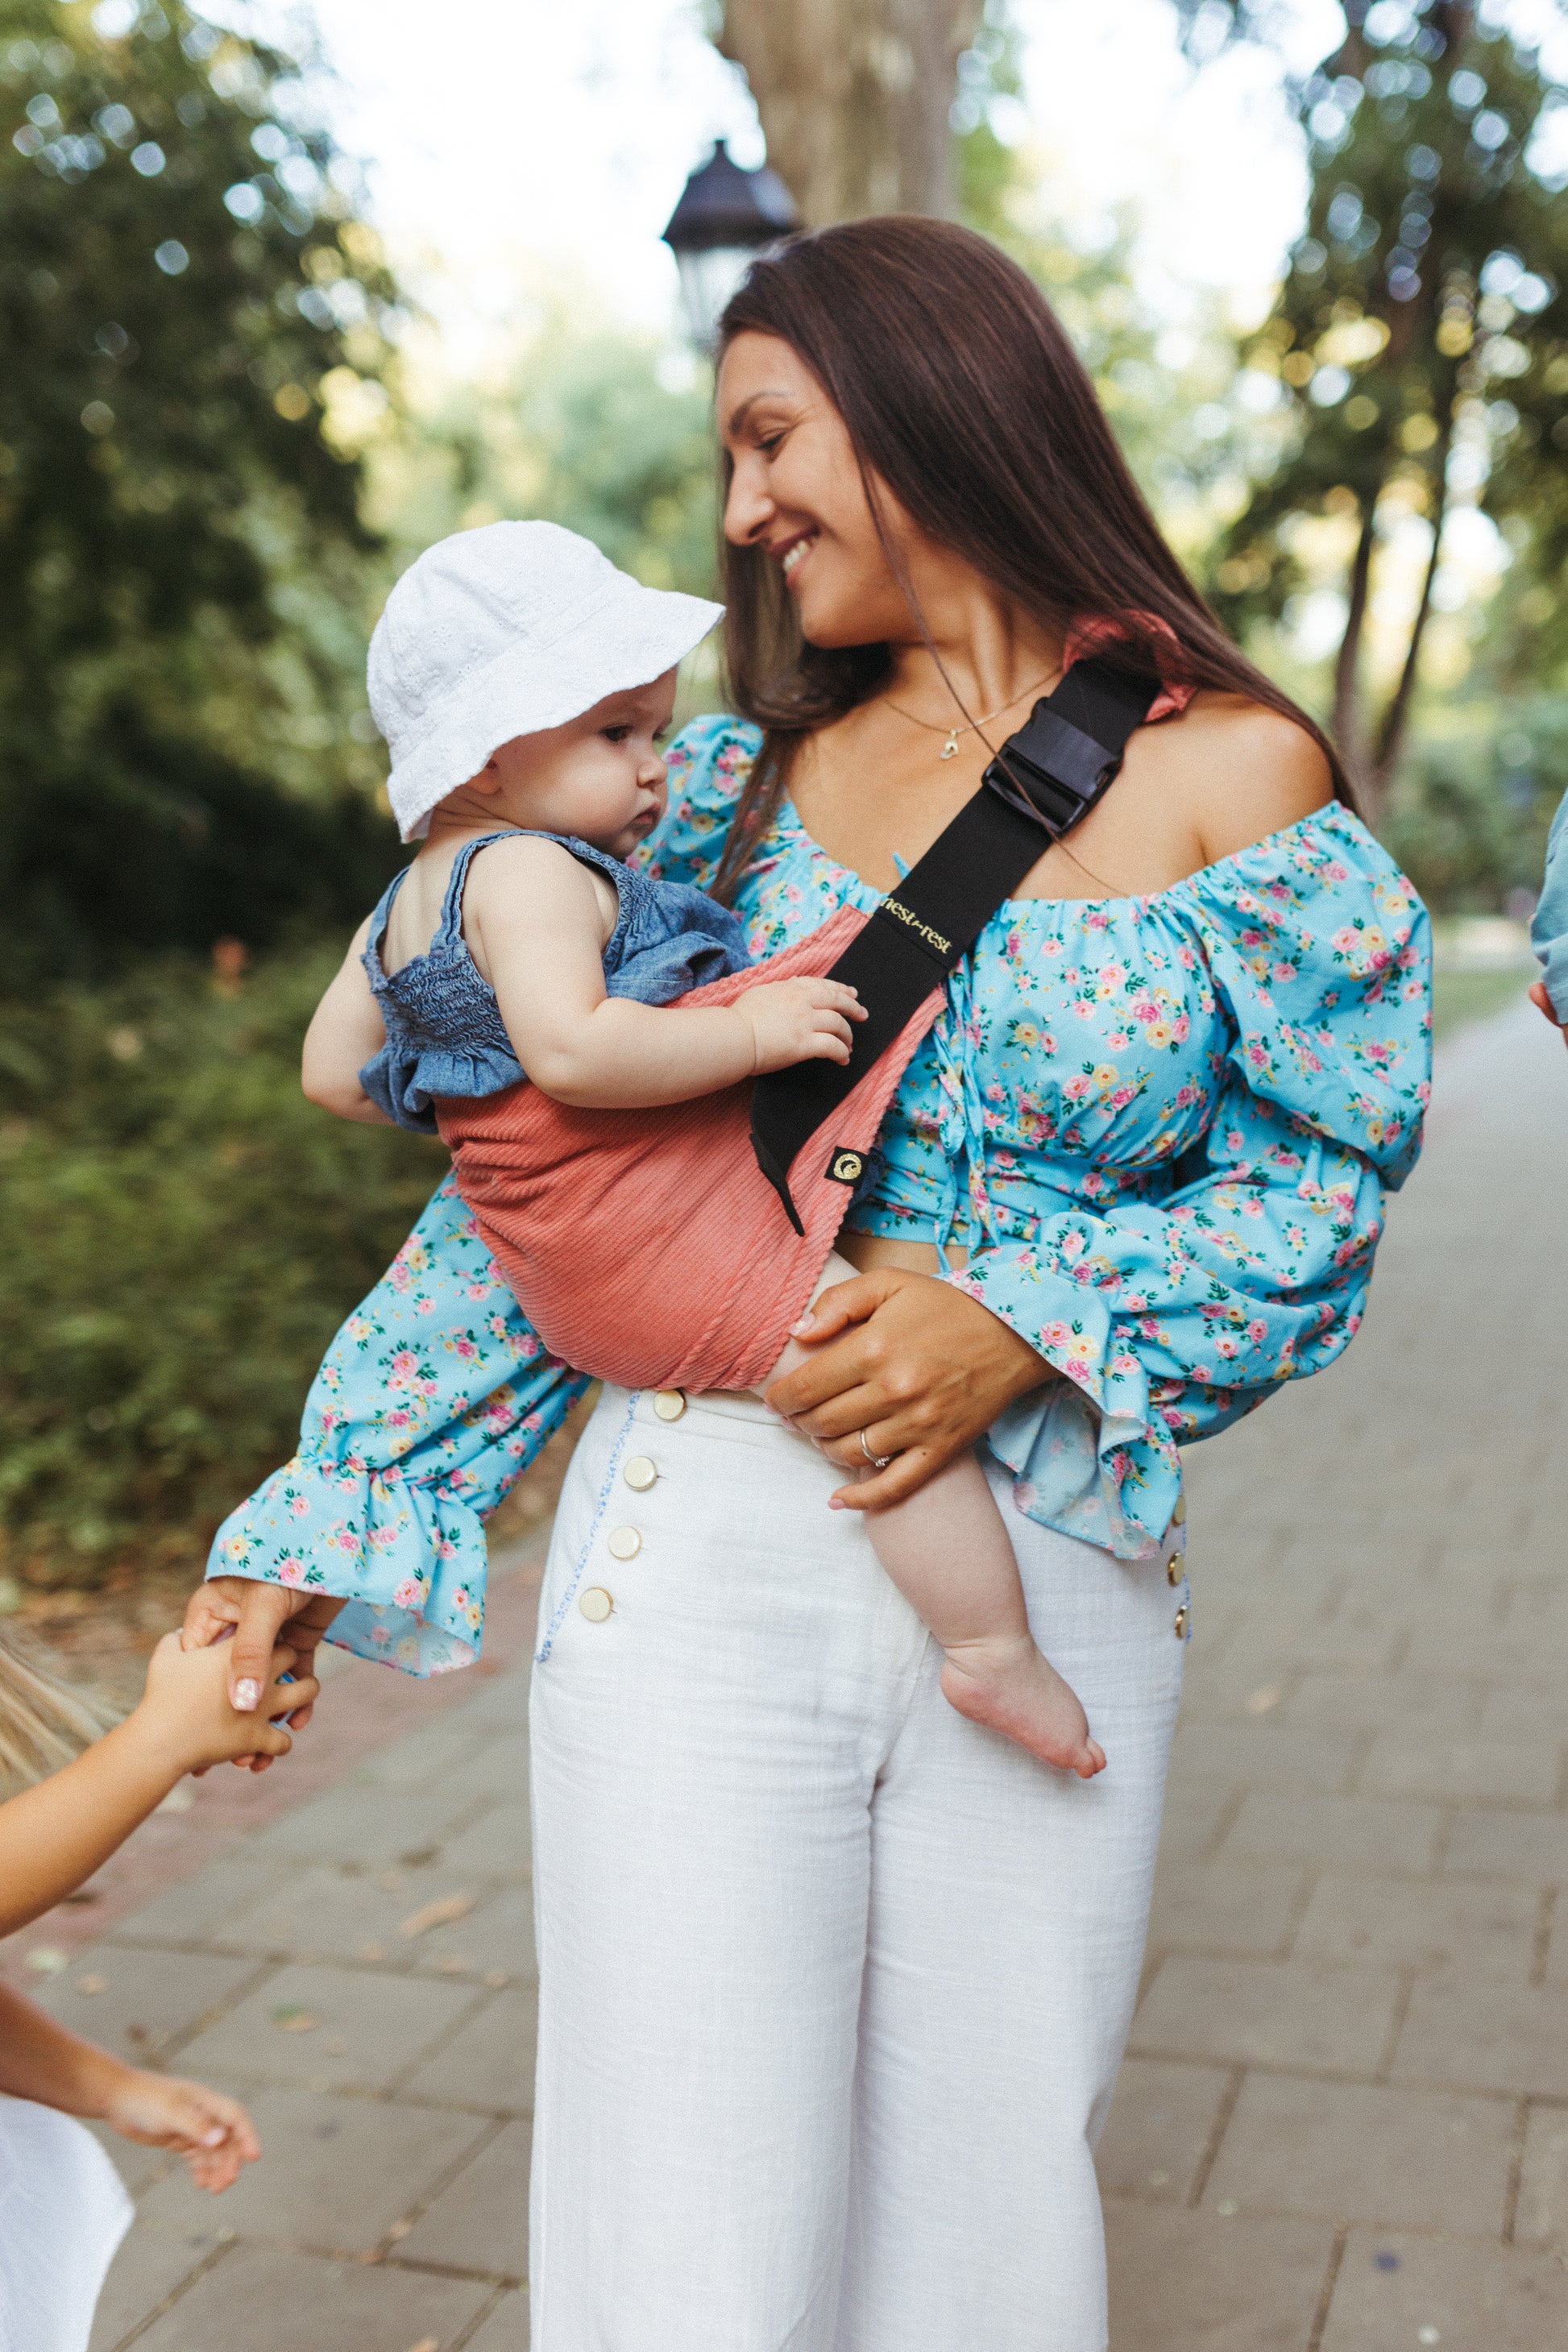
[
  {"x": 216, "y": 2137},
  {"x": 246, "y": 1694},
  {"x": 807, "y": 1323},
  {"x": 835, "y": 1504}
]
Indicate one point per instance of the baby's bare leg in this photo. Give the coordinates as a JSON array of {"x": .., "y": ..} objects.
[{"x": 947, "y": 1550}]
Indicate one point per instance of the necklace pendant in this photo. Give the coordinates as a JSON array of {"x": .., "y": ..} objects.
[{"x": 950, "y": 749}]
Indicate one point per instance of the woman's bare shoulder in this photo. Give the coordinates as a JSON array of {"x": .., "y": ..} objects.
[{"x": 1242, "y": 771}]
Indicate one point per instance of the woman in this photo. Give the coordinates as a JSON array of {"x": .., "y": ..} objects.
[{"x": 834, "y": 1985}]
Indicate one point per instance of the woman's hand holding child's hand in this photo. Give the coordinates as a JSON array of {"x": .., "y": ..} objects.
[
  {"x": 186, "y": 1713},
  {"x": 799, "y": 1021}
]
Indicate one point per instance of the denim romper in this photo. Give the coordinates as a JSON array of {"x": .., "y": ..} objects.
[{"x": 445, "y": 1034}]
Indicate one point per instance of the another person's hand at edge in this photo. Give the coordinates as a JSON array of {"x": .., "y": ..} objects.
[
  {"x": 922, "y": 1367},
  {"x": 1540, "y": 999},
  {"x": 256, "y": 1612}
]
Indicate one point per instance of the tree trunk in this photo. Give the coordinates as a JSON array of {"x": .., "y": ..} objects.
[
  {"x": 854, "y": 97},
  {"x": 1349, "y": 732},
  {"x": 1391, "y": 734}
]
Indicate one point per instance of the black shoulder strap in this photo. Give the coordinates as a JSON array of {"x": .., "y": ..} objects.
[{"x": 1042, "y": 783}]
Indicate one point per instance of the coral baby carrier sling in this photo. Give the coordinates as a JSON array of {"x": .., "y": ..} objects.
[{"x": 675, "y": 1248}]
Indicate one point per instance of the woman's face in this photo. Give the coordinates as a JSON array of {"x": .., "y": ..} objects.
[{"x": 797, "y": 493}]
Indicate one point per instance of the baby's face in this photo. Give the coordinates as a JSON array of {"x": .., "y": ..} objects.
[{"x": 601, "y": 776}]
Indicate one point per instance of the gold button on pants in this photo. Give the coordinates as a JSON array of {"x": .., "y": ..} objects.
[
  {"x": 595, "y": 1604},
  {"x": 669, "y": 1404},
  {"x": 640, "y": 1473},
  {"x": 625, "y": 1543}
]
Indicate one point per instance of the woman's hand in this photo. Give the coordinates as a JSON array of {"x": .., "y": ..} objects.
[
  {"x": 1542, "y": 1003},
  {"x": 922, "y": 1367},
  {"x": 258, "y": 1613}
]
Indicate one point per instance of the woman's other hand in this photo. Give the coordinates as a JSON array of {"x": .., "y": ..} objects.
[
  {"x": 1543, "y": 1003},
  {"x": 186, "y": 1714},
  {"x": 918, "y": 1365},
  {"x": 256, "y": 1613}
]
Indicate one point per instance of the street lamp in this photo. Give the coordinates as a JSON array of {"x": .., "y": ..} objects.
[{"x": 726, "y": 216}]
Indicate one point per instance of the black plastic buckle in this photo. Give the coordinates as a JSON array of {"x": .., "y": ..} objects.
[{"x": 1054, "y": 771}]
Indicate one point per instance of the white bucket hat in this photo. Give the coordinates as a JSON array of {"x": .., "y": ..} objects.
[{"x": 501, "y": 632}]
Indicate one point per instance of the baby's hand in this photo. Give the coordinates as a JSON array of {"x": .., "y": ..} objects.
[
  {"x": 185, "y": 1708},
  {"x": 213, "y": 2135},
  {"x": 800, "y": 1021}
]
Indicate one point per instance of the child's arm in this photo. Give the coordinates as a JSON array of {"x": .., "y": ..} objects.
[
  {"x": 533, "y": 921},
  {"x": 54, "y": 1836},
  {"x": 39, "y": 2059},
  {"x": 346, "y": 1031}
]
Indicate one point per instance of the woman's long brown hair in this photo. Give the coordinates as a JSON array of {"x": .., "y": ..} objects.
[{"x": 962, "y": 393}]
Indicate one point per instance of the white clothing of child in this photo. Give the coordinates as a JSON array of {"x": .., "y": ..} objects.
[{"x": 566, "y": 744}]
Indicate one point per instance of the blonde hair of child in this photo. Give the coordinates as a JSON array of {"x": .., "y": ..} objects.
[{"x": 44, "y": 1722}]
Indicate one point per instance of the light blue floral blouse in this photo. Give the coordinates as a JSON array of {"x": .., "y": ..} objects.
[{"x": 1162, "y": 1127}]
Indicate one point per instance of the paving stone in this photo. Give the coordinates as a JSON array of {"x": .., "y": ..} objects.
[
  {"x": 506, "y": 2329},
  {"x": 237, "y": 2308},
  {"x": 500, "y": 1843},
  {"x": 335, "y": 2173},
  {"x": 369, "y": 1821},
  {"x": 191, "y": 1912},
  {"x": 434, "y": 1756},
  {"x": 1397, "y": 2291},
  {"x": 151, "y": 2002},
  {"x": 498, "y": 1766},
  {"x": 1484, "y": 1930},
  {"x": 147, "y": 2269},
  {"x": 1441, "y": 1763},
  {"x": 1529, "y": 1847},
  {"x": 1543, "y": 2216},
  {"x": 1185, "y": 2282},
  {"x": 325, "y": 1912},
  {"x": 1346, "y": 1833},
  {"x": 488, "y": 2062},
  {"x": 1161, "y": 2122},
  {"x": 1195, "y": 1817},
  {"x": 1486, "y": 2037},
  {"x": 1219, "y": 1906},
  {"x": 369, "y": 2028},
  {"x": 1351, "y": 1703},
  {"x": 479, "y": 2221},
  {"x": 1264, "y": 1757},
  {"x": 1399, "y": 2159},
  {"x": 1267, "y": 2013}
]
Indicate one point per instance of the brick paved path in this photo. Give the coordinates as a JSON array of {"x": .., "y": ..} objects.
[{"x": 1343, "y": 2126}]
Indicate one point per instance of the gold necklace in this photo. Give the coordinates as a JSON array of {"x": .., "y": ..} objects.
[{"x": 950, "y": 749}]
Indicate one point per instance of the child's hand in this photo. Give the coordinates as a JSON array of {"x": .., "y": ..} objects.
[
  {"x": 213, "y": 2135},
  {"x": 1543, "y": 1003},
  {"x": 799, "y": 1021},
  {"x": 186, "y": 1711}
]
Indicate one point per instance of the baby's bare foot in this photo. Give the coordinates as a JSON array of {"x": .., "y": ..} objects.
[{"x": 1009, "y": 1686}]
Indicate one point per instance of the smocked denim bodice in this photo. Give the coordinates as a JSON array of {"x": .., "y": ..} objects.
[{"x": 445, "y": 1034}]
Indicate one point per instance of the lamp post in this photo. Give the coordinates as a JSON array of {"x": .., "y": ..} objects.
[{"x": 725, "y": 217}]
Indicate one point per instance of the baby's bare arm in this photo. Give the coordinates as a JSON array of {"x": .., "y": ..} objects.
[
  {"x": 533, "y": 914},
  {"x": 346, "y": 1029}
]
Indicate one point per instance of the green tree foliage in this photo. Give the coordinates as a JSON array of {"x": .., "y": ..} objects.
[
  {"x": 184, "y": 295},
  {"x": 1421, "y": 335},
  {"x": 187, "y": 1232}
]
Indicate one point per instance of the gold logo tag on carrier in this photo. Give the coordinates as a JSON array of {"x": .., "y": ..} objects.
[{"x": 844, "y": 1166}]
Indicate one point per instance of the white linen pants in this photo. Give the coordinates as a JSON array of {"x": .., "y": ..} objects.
[{"x": 833, "y": 1984}]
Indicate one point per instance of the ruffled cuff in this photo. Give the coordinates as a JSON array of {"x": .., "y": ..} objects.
[
  {"x": 1090, "y": 1454},
  {"x": 433, "y": 1399}
]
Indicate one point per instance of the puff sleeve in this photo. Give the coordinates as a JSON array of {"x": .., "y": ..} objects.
[
  {"x": 1172, "y": 1317},
  {"x": 709, "y": 762},
  {"x": 434, "y": 1397}
]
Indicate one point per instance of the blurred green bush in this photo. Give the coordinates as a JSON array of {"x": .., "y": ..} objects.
[{"x": 186, "y": 1233}]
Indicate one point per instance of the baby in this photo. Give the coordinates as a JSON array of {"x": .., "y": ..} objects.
[{"x": 524, "y": 686}]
